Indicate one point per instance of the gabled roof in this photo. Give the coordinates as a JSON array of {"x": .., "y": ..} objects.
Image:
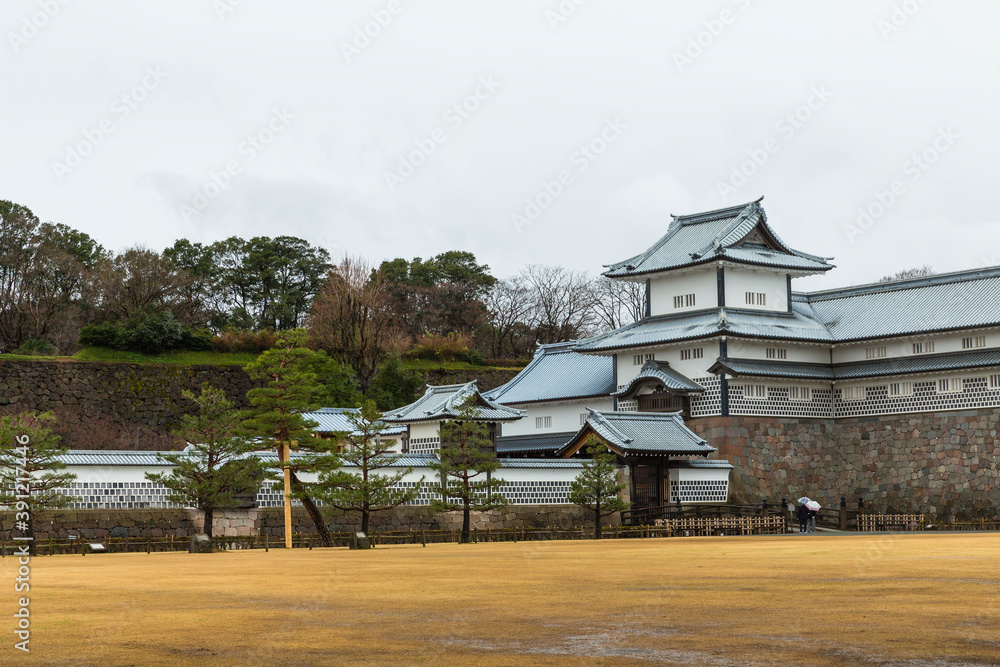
[
  {"x": 558, "y": 372},
  {"x": 873, "y": 368},
  {"x": 518, "y": 444},
  {"x": 445, "y": 402},
  {"x": 337, "y": 420},
  {"x": 738, "y": 234},
  {"x": 639, "y": 434},
  {"x": 654, "y": 371},
  {"x": 948, "y": 301}
]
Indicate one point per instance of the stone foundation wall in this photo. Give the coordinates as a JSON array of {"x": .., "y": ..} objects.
[
  {"x": 943, "y": 464},
  {"x": 96, "y": 524}
]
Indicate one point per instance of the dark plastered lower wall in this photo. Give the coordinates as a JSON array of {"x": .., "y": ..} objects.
[{"x": 939, "y": 464}]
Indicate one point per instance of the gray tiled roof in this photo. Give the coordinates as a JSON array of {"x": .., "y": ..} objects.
[
  {"x": 446, "y": 401},
  {"x": 336, "y": 420},
  {"x": 558, "y": 372},
  {"x": 661, "y": 372},
  {"x": 943, "y": 302},
  {"x": 549, "y": 442},
  {"x": 701, "y": 464},
  {"x": 929, "y": 363},
  {"x": 541, "y": 463},
  {"x": 715, "y": 235},
  {"x": 111, "y": 457},
  {"x": 638, "y": 433}
]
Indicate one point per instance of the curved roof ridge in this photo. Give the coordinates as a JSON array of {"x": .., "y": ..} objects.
[
  {"x": 949, "y": 278},
  {"x": 705, "y": 216}
]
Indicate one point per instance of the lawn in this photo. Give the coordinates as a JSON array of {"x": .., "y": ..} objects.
[{"x": 802, "y": 600}]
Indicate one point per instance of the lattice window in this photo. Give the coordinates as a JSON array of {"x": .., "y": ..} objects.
[
  {"x": 875, "y": 352},
  {"x": 925, "y": 347},
  {"x": 684, "y": 301},
  {"x": 853, "y": 394},
  {"x": 901, "y": 389},
  {"x": 692, "y": 353},
  {"x": 640, "y": 359},
  {"x": 973, "y": 342},
  {"x": 949, "y": 385},
  {"x": 995, "y": 381},
  {"x": 777, "y": 353},
  {"x": 757, "y": 391},
  {"x": 543, "y": 422},
  {"x": 799, "y": 394}
]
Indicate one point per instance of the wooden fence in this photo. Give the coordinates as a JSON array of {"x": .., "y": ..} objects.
[{"x": 886, "y": 522}]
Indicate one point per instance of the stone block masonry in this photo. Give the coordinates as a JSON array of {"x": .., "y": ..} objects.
[
  {"x": 95, "y": 401},
  {"x": 940, "y": 464}
]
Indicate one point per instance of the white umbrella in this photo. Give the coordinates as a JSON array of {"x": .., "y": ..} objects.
[
  {"x": 813, "y": 505},
  {"x": 803, "y": 500}
]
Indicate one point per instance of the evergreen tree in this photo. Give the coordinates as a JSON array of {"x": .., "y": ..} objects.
[
  {"x": 466, "y": 466},
  {"x": 28, "y": 447},
  {"x": 218, "y": 465},
  {"x": 596, "y": 488},
  {"x": 366, "y": 450},
  {"x": 276, "y": 418}
]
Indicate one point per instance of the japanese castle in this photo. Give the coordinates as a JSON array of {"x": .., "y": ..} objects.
[
  {"x": 725, "y": 335},
  {"x": 725, "y": 339}
]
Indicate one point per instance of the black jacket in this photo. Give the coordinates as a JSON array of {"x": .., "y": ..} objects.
[{"x": 803, "y": 513}]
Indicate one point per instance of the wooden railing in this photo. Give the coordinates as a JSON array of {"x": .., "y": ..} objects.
[
  {"x": 650, "y": 515},
  {"x": 890, "y": 522}
]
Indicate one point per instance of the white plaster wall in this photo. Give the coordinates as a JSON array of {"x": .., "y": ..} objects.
[
  {"x": 739, "y": 281},
  {"x": 425, "y": 430},
  {"x": 701, "y": 282},
  {"x": 692, "y": 368},
  {"x": 903, "y": 346},
  {"x": 744, "y": 349},
  {"x": 565, "y": 416}
]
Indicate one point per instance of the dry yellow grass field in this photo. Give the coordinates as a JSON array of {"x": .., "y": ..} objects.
[{"x": 895, "y": 599}]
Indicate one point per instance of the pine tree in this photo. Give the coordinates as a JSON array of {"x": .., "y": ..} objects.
[
  {"x": 596, "y": 488},
  {"x": 219, "y": 463},
  {"x": 466, "y": 466},
  {"x": 366, "y": 450},
  {"x": 28, "y": 447},
  {"x": 277, "y": 420}
]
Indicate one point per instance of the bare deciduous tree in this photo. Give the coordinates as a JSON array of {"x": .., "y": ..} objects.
[
  {"x": 352, "y": 318},
  {"x": 618, "y": 302},
  {"x": 509, "y": 306},
  {"x": 562, "y": 303}
]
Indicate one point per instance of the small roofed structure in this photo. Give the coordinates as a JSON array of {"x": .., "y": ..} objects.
[
  {"x": 446, "y": 402},
  {"x": 656, "y": 447},
  {"x": 659, "y": 388}
]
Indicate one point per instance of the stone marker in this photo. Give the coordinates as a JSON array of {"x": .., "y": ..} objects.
[
  {"x": 200, "y": 544},
  {"x": 361, "y": 541}
]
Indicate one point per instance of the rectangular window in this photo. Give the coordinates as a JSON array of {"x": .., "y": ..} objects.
[
  {"x": 799, "y": 394},
  {"x": 684, "y": 301},
  {"x": 950, "y": 385},
  {"x": 761, "y": 299},
  {"x": 756, "y": 391},
  {"x": 973, "y": 342},
  {"x": 853, "y": 394},
  {"x": 875, "y": 352},
  {"x": 583, "y": 418},
  {"x": 923, "y": 348},
  {"x": 777, "y": 353},
  {"x": 995, "y": 382},
  {"x": 640, "y": 359},
  {"x": 692, "y": 353},
  {"x": 543, "y": 422},
  {"x": 901, "y": 389},
  {"x": 751, "y": 298}
]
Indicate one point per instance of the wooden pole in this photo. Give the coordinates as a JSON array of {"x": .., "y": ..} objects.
[{"x": 288, "y": 493}]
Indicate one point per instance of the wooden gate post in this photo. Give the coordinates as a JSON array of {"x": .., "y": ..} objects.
[{"x": 843, "y": 513}]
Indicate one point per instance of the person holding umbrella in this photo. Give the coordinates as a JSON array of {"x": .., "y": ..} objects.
[
  {"x": 803, "y": 516},
  {"x": 813, "y": 507}
]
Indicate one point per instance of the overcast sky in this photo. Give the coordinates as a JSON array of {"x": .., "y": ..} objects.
[{"x": 451, "y": 124}]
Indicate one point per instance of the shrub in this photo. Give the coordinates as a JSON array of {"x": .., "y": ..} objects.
[
  {"x": 237, "y": 340},
  {"x": 149, "y": 332},
  {"x": 474, "y": 357},
  {"x": 100, "y": 335},
  {"x": 450, "y": 347},
  {"x": 37, "y": 348}
]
